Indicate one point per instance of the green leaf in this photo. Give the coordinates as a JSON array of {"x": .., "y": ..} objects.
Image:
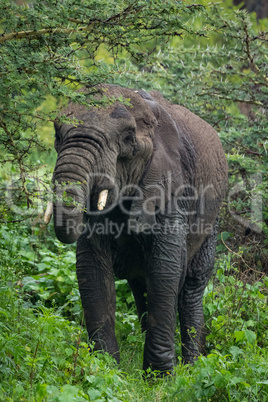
[
  {"x": 235, "y": 351},
  {"x": 226, "y": 235},
  {"x": 264, "y": 382},
  {"x": 94, "y": 394},
  {"x": 68, "y": 351},
  {"x": 250, "y": 336},
  {"x": 239, "y": 335}
]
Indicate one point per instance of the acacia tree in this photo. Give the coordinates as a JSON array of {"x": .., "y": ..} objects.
[{"x": 50, "y": 48}]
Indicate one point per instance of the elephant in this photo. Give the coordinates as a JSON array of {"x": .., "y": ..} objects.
[{"x": 138, "y": 183}]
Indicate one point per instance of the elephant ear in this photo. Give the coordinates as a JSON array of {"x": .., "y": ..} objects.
[{"x": 163, "y": 174}]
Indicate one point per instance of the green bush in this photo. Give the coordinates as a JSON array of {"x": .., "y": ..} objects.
[{"x": 44, "y": 356}]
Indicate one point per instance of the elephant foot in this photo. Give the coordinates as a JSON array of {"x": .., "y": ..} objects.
[
  {"x": 158, "y": 368},
  {"x": 103, "y": 340},
  {"x": 115, "y": 355},
  {"x": 193, "y": 348},
  {"x": 151, "y": 375},
  {"x": 102, "y": 348},
  {"x": 190, "y": 358}
]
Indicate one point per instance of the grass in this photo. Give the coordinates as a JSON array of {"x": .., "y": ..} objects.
[{"x": 44, "y": 353}]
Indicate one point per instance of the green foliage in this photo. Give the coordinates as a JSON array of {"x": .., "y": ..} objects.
[
  {"x": 45, "y": 357},
  {"x": 49, "y": 49}
]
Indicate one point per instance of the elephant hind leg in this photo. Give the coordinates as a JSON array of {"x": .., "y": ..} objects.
[
  {"x": 139, "y": 289},
  {"x": 190, "y": 304}
]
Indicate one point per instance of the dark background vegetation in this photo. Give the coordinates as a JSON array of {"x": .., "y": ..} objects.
[{"x": 209, "y": 58}]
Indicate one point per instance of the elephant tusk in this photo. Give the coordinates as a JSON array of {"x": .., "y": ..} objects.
[
  {"x": 102, "y": 199},
  {"x": 48, "y": 212}
]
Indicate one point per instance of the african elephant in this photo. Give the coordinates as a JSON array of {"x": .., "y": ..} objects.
[{"x": 138, "y": 184}]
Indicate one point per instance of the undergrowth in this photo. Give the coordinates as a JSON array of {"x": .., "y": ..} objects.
[{"x": 44, "y": 351}]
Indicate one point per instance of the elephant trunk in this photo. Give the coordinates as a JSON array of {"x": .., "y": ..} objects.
[
  {"x": 68, "y": 217},
  {"x": 79, "y": 178},
  {"x": 71, "y": 189}
]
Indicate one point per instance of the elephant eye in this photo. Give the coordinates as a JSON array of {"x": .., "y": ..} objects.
[
  {"x": 148, "y": 123},
  {"x": 129, "y": 136}
]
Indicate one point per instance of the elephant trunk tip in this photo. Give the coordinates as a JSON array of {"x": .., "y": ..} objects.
[
  {"x": 68, "y": 237},
  {"x": 68, "y": 223}
]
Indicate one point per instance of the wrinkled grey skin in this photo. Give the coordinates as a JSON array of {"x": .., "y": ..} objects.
[{"x": 151, "y": 144}]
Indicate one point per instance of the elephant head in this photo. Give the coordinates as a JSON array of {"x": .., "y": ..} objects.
[
  {"x": 136, "y": 148},
  {"x": 102, "y": 157}
]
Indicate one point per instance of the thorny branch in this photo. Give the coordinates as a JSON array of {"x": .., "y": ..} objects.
[
  {"x": 85, "y": 28},
  {"x": 253, "y": 66}
]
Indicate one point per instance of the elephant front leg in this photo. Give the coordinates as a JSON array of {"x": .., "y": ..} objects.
[
  {"x": 97, "y": 289},
  {"x": 163, "y": 277},
  {"x": 159, "y": 352}
]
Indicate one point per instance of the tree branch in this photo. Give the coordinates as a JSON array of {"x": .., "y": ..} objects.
[
  {"x": 219, "y": 96},
  {"x": 195, "y": 6},
  {"x": 28, "y": 34},
  {"x": 84, "y": 28},
  {"x": 253, "y": 66}
]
